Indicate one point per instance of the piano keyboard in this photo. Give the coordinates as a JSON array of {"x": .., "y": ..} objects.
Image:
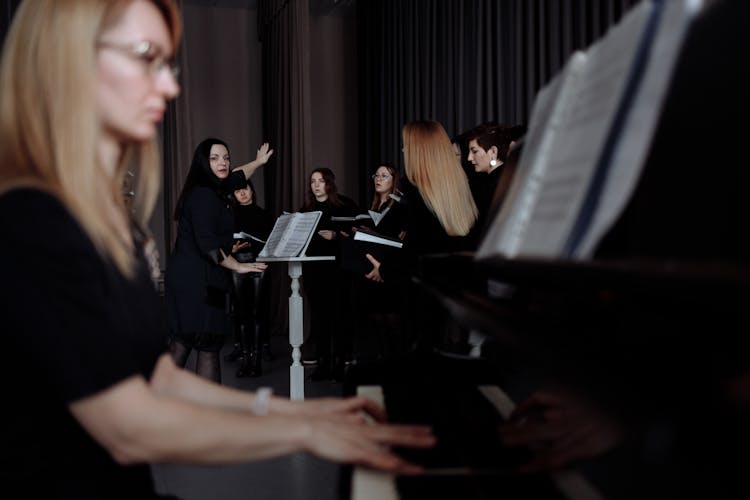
[{"x": 468, "y": 461}]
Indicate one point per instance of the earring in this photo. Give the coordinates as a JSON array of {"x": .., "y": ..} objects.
[{"x": 493, "y": 163}]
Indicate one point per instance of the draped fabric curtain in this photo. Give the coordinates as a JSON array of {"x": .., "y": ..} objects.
[
  {"x": 463, "y": 62},
  {"x": 177, "y": 145},
  {"x": 7, "y": 8},
  {"x": 284, "y": 28}
]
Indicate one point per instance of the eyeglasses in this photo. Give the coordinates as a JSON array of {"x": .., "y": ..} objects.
[
  {"x": 385, "y": 177},
  {"x": 148, "y": 53}
]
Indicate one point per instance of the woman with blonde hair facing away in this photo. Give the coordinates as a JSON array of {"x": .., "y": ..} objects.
[
  {"x": 441, "y": 212},
  {"x": 83, "y": 85}
]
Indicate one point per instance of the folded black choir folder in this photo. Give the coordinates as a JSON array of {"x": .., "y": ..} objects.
[
  {"x": 353, "y": 251},
  {"x": 346, "y": 223},
  {"x": 589, "y": 134}
]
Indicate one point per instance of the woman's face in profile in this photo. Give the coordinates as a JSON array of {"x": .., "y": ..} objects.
[
  {"x": 133, "y": 78},
  {"x": 244, "y": 196},
  {"x": 479, "y": 157},
  {"x": 218, "y": 158}
]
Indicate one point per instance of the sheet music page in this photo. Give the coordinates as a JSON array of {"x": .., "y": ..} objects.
[
  {"x": 630, "y": 154},
  {"x": 272, "y": 244},
  {"x": 579, "y": 137},
  {"x": 505, "y": 228},
  {"x": 297, "y": 235}
]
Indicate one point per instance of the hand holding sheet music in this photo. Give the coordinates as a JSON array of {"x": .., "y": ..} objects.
[{"x": 353, "y": 251}]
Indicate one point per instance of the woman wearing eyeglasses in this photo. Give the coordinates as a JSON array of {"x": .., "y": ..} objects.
[
  {"x": 104, "y": 398},
  {"x": 386, "y": 201},
  {"x": 378, "y": 306},
  {"x": 441, "y": 210},
  {"x": 441, "y": 213}
]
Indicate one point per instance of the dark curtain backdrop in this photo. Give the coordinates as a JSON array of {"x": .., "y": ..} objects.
[
  {"x": 177, "y": 146},
  {"x": 463, "y": 62},
  {"x": 284, "y": 30}
]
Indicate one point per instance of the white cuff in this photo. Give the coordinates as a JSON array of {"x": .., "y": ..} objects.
[{"x": 262, "y": 401}]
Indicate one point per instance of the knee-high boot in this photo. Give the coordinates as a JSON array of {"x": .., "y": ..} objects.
[{"x": 251, "y": 363}]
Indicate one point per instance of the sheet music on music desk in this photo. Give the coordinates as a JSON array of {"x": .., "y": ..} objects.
[
  {"x": 505, "y": 229},
  {"x": 561, "y": 168},
  {"x": 579, "y": 137},
  {"x": 291, "y": 234},
  {"x": 579, "y": 171},
  {"x": 630, "y": 154}
]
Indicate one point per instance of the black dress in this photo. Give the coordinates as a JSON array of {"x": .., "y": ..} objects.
[
  {"x": 425, "y": 235},
  {"x": 196, "y": 285},
  {"x": 326, "y": 288},
  {"x": 253, "y": 220},
  {"x": 483, "y": 189},
  {"x": 394, "y": 220},
  {"x": 73, "y": 326},
  {"x": 378, "y": 307},
  {"x": 251, "y": 305}
]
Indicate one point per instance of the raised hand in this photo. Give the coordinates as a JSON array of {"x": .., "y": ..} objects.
[{"x": 263, "y": 154}]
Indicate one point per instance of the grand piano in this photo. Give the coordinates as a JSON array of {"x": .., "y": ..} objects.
[{"x": 652, "y": 327}]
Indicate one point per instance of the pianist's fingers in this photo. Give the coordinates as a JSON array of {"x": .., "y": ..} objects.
[
  {"x": 367, "y": 444},
  {"x": 416, "y": 436},
  {"x": 356, "y": 407}
]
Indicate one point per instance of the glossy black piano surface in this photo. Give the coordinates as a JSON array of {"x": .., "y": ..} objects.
[
  {"x": 654, "y": 329},
  {"x": 469, "y": 461}
]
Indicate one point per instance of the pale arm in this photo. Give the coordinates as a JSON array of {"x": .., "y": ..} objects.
[
  {"x": 137, "y": 422},
  {"x": 169, "y": 380},
  {"x": 261, "y": 158}
]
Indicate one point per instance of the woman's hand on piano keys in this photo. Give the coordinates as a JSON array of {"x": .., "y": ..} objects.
[
  {"x": 356, "y": 409},
  {"x": 352, "y": 430},
  {"x": 367, "y": 444}
]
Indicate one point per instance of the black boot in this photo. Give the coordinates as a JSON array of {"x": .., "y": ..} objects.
[
  {"x": 251, "y": 365},
  {"x": 251, "y": 362},
  {"x": 267, "y": 354},
  {"x": 235, "y": 354}
]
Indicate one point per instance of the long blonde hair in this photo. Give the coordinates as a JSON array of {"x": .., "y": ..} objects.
[
  {"x": 49, "y": 123},
  {"x": 432, "y": 167}
]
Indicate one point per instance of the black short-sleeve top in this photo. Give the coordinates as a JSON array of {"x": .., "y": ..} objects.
[{"x": 72, "y": 326}]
